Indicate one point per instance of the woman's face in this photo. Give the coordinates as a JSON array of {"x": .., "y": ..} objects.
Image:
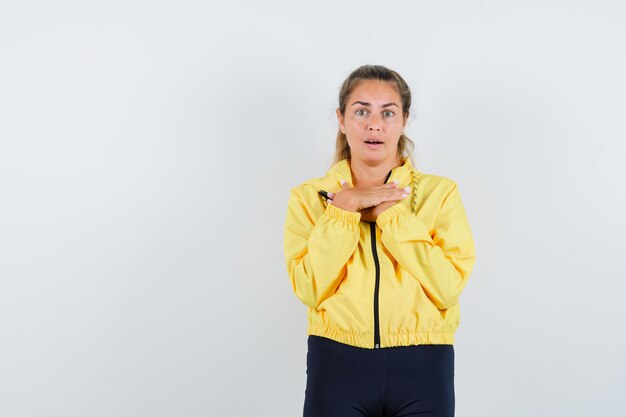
[{"x": 373, "y": 112}]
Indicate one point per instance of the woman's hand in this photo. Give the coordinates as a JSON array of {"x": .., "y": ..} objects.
[
  {"x": 370, "y": 214},
  {"x": 359, "y": 199}
]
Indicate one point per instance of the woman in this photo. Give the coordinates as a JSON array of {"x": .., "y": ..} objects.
[{"x": 379, "y": 252}]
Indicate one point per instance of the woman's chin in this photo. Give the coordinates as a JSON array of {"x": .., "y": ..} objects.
[{"x": 372, "y": 156}]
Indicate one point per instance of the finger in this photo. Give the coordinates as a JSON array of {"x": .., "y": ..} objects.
[
  {"x": 393, "y": 192},
  {"x": 387, "y": 185},
  {"x": 397, "y": 191},
  {"x": 344, "y": 184},
  {"x": 398, "y": 194}
]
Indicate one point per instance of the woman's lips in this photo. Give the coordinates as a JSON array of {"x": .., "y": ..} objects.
[{"x": 373, "y": 145}]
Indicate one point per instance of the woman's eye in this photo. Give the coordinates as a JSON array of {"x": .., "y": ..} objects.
[
  {"x": 358, "y": 112},
  {"x": 390, "y": 113}
]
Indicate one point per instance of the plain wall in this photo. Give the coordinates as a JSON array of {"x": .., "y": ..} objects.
[{"x": 147, "y": 150}]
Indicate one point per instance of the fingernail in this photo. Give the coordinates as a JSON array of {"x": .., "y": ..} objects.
[
  {"x": 396, "y": 182},
  {"x": 407, "y": 189},
  {"x": 330, "y": 194},
  {"x": 342, "y": 182},
  {"x": 404, "y": 195}
]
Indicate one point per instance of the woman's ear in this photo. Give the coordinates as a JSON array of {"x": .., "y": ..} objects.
[{"x": 340, "y": 119}]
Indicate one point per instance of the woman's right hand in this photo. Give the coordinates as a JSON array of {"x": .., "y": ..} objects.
[{"x": 359, "y": 198}]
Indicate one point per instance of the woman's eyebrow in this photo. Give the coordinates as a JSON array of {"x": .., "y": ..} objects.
[{"x": 364, "y": 103}]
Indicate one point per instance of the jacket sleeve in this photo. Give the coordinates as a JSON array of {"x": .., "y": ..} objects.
[
  {"x": 317, "y": 250},
  {"x": 442, "y": 263}
]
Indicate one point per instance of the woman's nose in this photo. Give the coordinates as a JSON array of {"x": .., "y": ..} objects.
[{"x": 374, "y": 123}]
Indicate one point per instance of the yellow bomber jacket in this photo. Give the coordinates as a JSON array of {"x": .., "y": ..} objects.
[{"x": 395, "y": 282}]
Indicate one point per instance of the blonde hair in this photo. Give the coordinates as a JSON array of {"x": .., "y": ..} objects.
[{"x": 374, "y": 72}]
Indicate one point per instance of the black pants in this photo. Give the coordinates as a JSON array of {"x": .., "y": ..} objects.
[{"x": 347, "y": 381}]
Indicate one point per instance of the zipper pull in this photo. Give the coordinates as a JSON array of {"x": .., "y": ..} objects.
[{"x": 376, "y": 346}]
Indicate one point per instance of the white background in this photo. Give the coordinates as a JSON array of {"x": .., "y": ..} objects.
[{"x": 147, "y": 150}]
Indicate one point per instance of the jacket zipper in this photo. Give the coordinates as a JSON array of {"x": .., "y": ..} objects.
[
  {"x": 377, "y": 285},
  {"x": 376, "y": 318}
]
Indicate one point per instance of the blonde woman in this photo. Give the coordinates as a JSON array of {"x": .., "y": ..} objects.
[{"x": 379, "y": 253}]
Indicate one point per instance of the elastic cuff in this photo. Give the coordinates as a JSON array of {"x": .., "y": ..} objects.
[
  {"x": 400, "y": 216},
  {"x": 344, "y": 215},
  {"x": 390, "y": 212}
]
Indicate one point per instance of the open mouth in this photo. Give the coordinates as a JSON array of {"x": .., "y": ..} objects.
[{"x": 373, "y": 143}]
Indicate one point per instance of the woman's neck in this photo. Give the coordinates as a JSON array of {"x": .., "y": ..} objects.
[{"x": 366, "y": 175}]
